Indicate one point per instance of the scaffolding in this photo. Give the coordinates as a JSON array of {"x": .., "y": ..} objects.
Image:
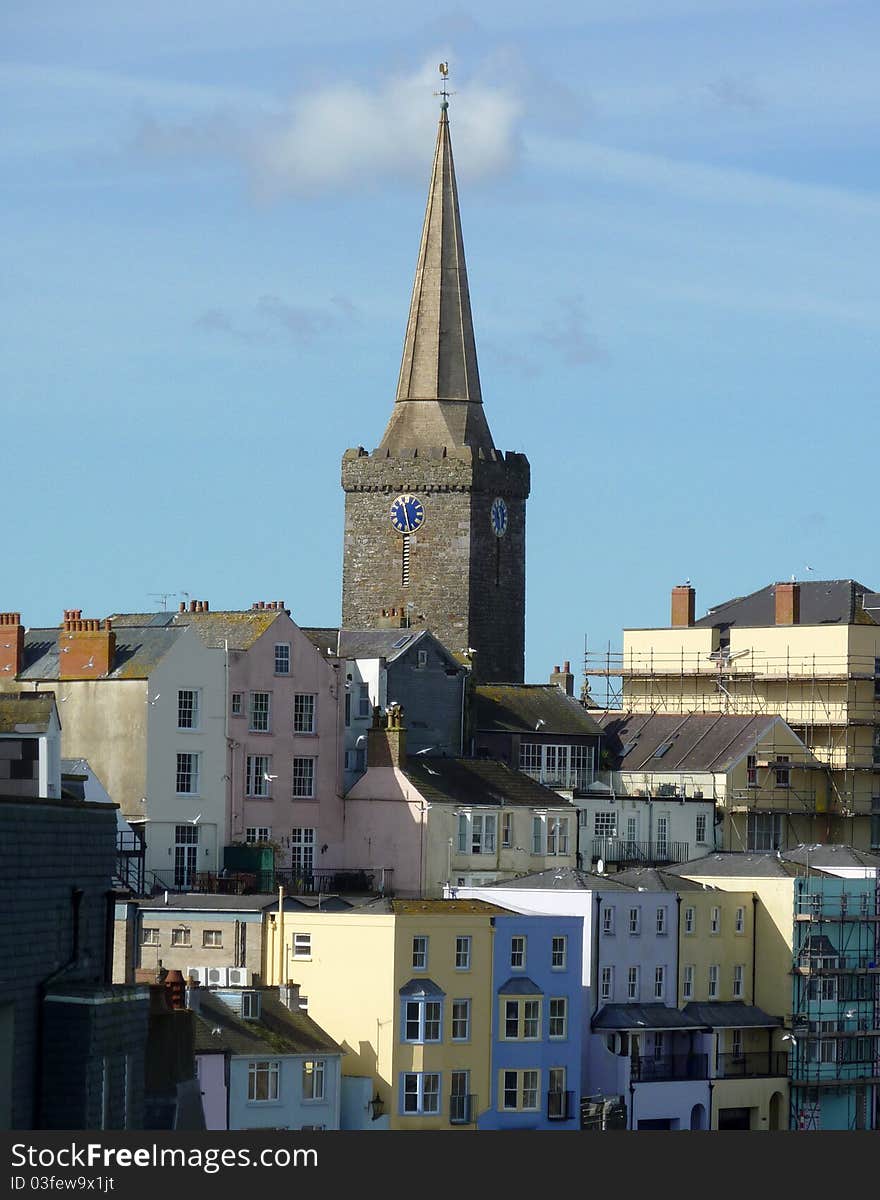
[
  {"x": 834, "y": 1065},
  {"x": 826, "y": 700}
]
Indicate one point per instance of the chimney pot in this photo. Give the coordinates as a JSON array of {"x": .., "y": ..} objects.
[{"x": 181, "y": 606}]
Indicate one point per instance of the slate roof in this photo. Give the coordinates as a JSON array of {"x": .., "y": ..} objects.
[
  {"x": 421, "y": 987},
  {"x": 240, "y": 628},
  {"x": 478, "y": 781},
  {"x": 215, "y": 901},
  {"x": 738, "y": 864},
  {"x": 563, "y": 879},
  {"x": 322, "y": 637},
  {"x": 139, "y": 649},
  {"x": 823, "y": 602},
  {"x": 652, "y": 879},
  {"x": 31, "y": 712},
  {"x": 279, "y": 1030},
  {"x": 520, "y": 985},
  {"x": 696, "y": 741},
  {"x": 731, "y": 1014},
  {"x": 643, "y": 1016},
  {"x": 832, "y": 856},
  {"x": 405, "y": 908},
  {"x": 518, "y": 707}
]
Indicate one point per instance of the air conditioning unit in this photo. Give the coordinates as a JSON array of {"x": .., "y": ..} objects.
[
  {"x": 216, "y": 976},
  {"x": 238, "y": 977},
  {"x": 197, "y": 973}
]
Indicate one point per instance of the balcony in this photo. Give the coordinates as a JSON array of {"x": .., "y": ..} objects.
[
  {"x": 669, "y": 1067},
  {"x": 753, "y": 1065},
  {"x": 560, "y": 1106},
  {"x": 563, "y": 779},
  {"x": 834, "y": 965},
  {"x": 461, "y": 1109},
  {"x": 624, "y": 852}
]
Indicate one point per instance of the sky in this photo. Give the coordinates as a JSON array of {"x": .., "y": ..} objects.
[{"x": 208, "y": 231}]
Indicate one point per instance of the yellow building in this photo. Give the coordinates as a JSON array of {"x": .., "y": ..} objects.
[
  {"x": 809, "y": 652},
  {"x": 404, "y": 986}
]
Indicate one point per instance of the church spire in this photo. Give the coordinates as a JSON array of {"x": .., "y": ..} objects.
[{"x": 438, "y": 393}]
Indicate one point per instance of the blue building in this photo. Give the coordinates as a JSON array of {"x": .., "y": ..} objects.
[
  {"x": 835, "y": 1051},
  {"x": 538, "y": 1023}
]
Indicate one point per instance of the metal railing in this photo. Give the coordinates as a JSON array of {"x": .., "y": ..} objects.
[
  {"x": 461, "y": 1109},
  {"x": 667, "y": 1067},
  {"x": 752, "y": 1064},
  {"x": 573, "y": 779},
  {"x": 831, "y": 964},
  {"x": 560, "y": 1106},
  {"x": 623, "y": 850}
]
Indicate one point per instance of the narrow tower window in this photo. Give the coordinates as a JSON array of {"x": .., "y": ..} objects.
[
  {"x": 404, "y": 562},
  {"x": 498, "y": 562}
]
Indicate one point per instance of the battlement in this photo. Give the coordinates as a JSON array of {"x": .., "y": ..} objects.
[{"x": 436, "y": 469}]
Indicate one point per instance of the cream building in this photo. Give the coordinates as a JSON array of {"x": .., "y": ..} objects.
[{"x": 809, "y": 652}]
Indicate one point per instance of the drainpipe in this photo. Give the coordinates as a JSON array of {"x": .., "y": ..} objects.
[
  {"x": 281, "y": 978},
  {"x": 677, "y": 950},
  {"x": 754, "y": 942}
]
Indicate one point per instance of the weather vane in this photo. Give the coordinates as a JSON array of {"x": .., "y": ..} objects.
[{"x": 444, "y": 75}]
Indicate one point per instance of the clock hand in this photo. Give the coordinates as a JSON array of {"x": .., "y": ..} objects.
[{"x": 405, "y": 508}]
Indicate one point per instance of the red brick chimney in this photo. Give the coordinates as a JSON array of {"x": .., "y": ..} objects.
[
  {"x": 788, "y": 604},
  {"x": 85, "y": 647},
  {"x": 683, "y": 603},
  {"x": 386, "y": 741},
  {"x": 175, "y": 989},
  {"x": 564, "y": 678},
  {"x": 11, "y": 645}
]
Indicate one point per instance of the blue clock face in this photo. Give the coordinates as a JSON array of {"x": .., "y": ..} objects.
[
  {"x": 498, "y": 517},
  {"x": 407, "y": 514}
]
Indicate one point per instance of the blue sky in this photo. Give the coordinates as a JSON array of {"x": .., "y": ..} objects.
[{"x": 210, "y": 221}]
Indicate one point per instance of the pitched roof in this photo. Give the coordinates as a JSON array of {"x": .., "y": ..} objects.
[
  {"x": 30, "y": 712},
  {"x": 216, "y": 901},
  {"x": 643, "y": 1016},
  {"x": 831, "y": 856},
  {"x": 323, "y": 637},
  {"x": 478, "y": 781},
  {"x": 139, "y": 649},
  {"x": 389, "y": 644},
  {"x": 822, "y": 602},
  {"x": 653, "y": 879},
  {"x": 278, "y": 1030},
  {"x": 675, "y": 742},
  {"x": 439, "y": 402},
  {"x": 737, "y": 864},
  {"x": 520, "y": 707},
  {"x": 563, "y": 879},
  {"x": 408, "y": 908},
  {"x": 731, "y": 1014}
]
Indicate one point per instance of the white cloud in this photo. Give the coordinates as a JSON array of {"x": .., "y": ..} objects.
[{"x": 346, "y": 134}]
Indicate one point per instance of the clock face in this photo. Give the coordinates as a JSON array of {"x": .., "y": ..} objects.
[
  {"x": 498, "y": 517},
  {"x": 407, "y": 514}
]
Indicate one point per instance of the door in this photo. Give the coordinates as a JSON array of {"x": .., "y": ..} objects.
[{"x": 186, "y": 850}]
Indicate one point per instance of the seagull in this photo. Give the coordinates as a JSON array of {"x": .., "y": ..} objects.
[
  {"x": 427, "y": 750},
  {"x": 268, "y": 777},
  {"x": 156, "y": 697},
  {"x": 91, "y": 661},
  {"x": 850, "y": 1013},
  {"x": 541, "y": 722},
  {"x": 196, "y": 820},
  {"x": 216, "y": 1031}
]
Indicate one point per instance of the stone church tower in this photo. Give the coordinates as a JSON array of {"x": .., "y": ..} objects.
[{"x": 435, "y": 518}]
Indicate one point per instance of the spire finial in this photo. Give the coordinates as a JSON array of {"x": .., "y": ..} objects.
[{"x": 444, "y": 78}]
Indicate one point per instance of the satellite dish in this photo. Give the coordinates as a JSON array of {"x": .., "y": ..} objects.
[{"x": 600, "y": 866}]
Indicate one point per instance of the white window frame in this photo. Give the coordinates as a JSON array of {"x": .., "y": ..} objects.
[
  {"x": 302, "y": 946},
  {"x": 557, "y": 1021},
  {"x": 559, "y": 952},
  {"x": 738, "y": 980},
  {"x": 606, "y": 983},
  {"x": 661, "y": 926},
  {"x": 427, "y": 1098},
  {"x": 305, "y": 708},
  {"x": 463, "y": 952},
  {"x": 187, "y": 769},
  {"x": 259, "y": 715},
  {"x": 506, "y": 830},
  {"x": 524, "y": 1012},
  {"x": 269, "y": 1070},
  {"x": 212, "y": 939},
  {"x": 251, "y": 1006},
  {"x": 659, "y": 982},
  {"x": 715, "y": 921},
  {"x": 303, "y": 786},
  {"x": 192, "y": 724},
  {"x": 302, "y": 848},
  {"x": 608, "y": 920},
  {"x": 236, "y": 705},
  {"x": 525, "y": 1085},
  {"x": 690, "y": 920},
  {"x": 604, "y": 824},
  {"x": 426, "y": 1014},
  {"x": 147, "y": 938},
  {"x": 740, "y": 926},
  {"x": 282, "y": 658},
  {"x": 258, "y": 768},
  {"x": 313, "y": 1080},
  {"x": 634, "y": 923},
  {"x": 420, "y": 952},
  {"x": 254, "y": 834},
  {"x": 687, "y": 986},
  {"x": 714, "y": 973},
  {"x": 701, "y": 828},
  {"x": 632, "y": 983},
  {"x": 461, "y": 1018},
  {"x": 181, "y": 935},
  {"x": 518, "y": 952}
]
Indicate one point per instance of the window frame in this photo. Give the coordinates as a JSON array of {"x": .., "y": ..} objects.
[
  {"x": 271, "y": 1069},
  {"x": 305, "y": 714},
  {"x": 518, "y": 954},
  {"x": 419, "y": 952},
  {"x": 193, "y": 725},
  {"x": 559, "y": 956},
  {"x": 302, "y": 778},
  {"x": 317, "y": 1078},
  {"x": 265, "y": 715},
  {"x": 301, "y": 946},
  {"x": 282, "y": 661},
  {"x": 191, "y": 773},
  {"x": 420, "y": 1092},
  {"x": 460, "y": 1020},
  {"x": 422, "y": 1021},
  {"x": 212, "y": 945},
  {"x": 463, "y": 952},
  {"x": 560, "y": 1019}
]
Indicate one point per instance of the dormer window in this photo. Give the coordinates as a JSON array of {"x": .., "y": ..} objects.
[{"x": 250, "y": 1006}]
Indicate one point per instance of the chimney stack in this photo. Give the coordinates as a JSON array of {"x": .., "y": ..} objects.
[
  {"x": 564, "y": 678},
  {"x": 175, "y": 990},
  {"x": 683, "y": 605},
  {"x": 85, "y": 646},
  {"x": 11, "y": 645},
  {"x": 788, "y": 604},
  {"x": 288, "y": 994},
  {"x": 386, "y": 740}
]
